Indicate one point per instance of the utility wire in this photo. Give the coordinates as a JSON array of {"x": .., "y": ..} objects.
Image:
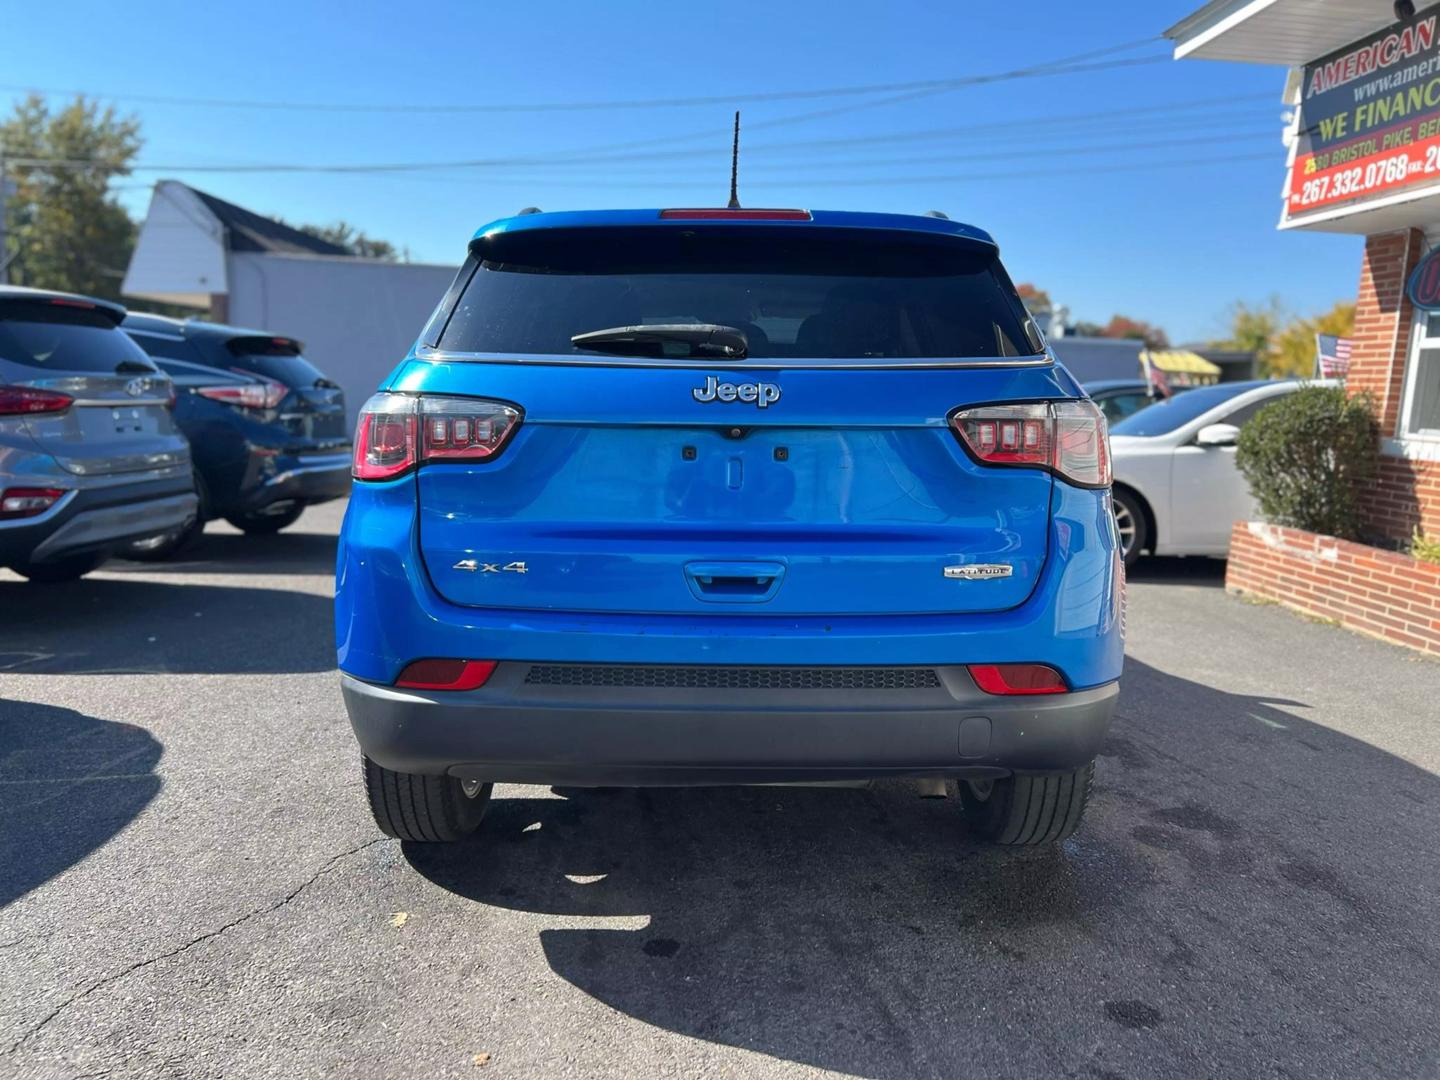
[
  {"x": 1029, "y": 129},
  {"x": 590, "y": 106}
]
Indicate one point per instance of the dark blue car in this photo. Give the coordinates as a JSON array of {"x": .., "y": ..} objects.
[
  {"x": 267, "y": 430},
  {"x": 730, "y": 496}
]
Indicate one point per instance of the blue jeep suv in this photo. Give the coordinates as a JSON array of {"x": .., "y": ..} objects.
[{"x": 730, "y": 496}]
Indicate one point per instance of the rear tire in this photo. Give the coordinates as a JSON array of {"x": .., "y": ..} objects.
[
  {"x": 1027, "y": 810},
  {"x": 51, "y": 573},
  {"x": 262, "y": 524},
  {"x": 1131, "y": 524},
  {"x": 427, "y": 809}
]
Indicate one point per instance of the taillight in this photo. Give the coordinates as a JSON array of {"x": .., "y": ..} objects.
[
  {"x": 259, "y": 395},
  {"x": 397, "y": 432},
  {"x": 1012, "y": 679},
  {"x": 1066, "y": 437},
  {"x": 734, "y": 214},
  {"x": 436, "y": 674},
  {"x": 21, "y": 400},
  {"x": 27, "y": 502}
]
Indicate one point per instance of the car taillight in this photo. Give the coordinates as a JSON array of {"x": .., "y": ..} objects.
[
  {"x": 436, "y": 674},
  {"x": 398, "y": 432},
  {"x": 260, "y": 395},
  {"x": 1067, "y": 437},
  {"x": 1011, "y": 679},
  {"x": 21, "y": 400},
  {"x": 27, "y": 502}
]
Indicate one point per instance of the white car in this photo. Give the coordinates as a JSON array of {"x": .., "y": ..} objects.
[{"x": 1177, "y": 490}]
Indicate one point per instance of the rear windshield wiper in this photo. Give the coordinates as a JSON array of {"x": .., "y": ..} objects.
[{"x": 703, "y": 339}]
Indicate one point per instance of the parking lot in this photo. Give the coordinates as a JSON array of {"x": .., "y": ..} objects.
[{"x": 190, "y": 884}]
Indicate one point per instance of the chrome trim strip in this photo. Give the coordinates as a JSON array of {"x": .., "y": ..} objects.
[{"x": 115, "y": 403}]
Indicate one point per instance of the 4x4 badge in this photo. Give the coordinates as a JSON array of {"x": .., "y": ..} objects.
[
  {"x": 979, "y": 571},
  {"x": 471, "y": 565},
  {"x": 761, "y": 395}
]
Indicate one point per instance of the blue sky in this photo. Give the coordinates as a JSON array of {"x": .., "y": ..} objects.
[{"x": 1132, "y": 212}]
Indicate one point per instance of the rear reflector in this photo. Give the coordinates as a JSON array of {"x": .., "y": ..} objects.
[
  {"x": 27, "y": 502},
  {"x": 735, "y": 215},
  {"x": 22, "y": 400},
  {"x": 445, "y": 674},
  {"x": 1017, "y": 679}
]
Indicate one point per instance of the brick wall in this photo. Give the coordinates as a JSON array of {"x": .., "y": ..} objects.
[
  {"x": 1380, "y": 593},
  {"x": 1406, "y": 493}
]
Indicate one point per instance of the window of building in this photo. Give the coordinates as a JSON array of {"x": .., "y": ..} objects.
[{"x": 1420, "y": 415}]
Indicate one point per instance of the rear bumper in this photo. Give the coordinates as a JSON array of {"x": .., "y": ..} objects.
[
  {"x": 303, "y": 478},
  {"x": 513, "y": 730},
  {"x": 100, "y": 519}
]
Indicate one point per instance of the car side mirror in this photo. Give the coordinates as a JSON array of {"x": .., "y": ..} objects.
[{"x": 1217, "y": 435}]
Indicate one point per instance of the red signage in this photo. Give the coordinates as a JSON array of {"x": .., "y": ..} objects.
[{"x": 1370, "y": 117}]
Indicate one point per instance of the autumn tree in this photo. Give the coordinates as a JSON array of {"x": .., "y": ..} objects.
[
  {"x": 1037, "y": 300},
  {"x": 1122, "y": 326},
  {"x": 1293, "y": 350},
  {"x": 67, "y": 230}
]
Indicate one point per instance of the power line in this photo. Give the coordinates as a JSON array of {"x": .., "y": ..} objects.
[
  {"x": 593, "y": 106},
  {"x": 1011, "y": 130}
]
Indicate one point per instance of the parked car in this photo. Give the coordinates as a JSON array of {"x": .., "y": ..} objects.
[
  {"x": 730, "y": 496},
  {"x": 268, "y": 430},
  {"x": 90, "y": 457},
  {"x": 1177, "y": 491},
  {"x": 1119, "y": 398}
]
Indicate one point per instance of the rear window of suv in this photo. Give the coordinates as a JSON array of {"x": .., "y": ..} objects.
[
  {"x": 819, "y": 294},
  {"x": 64, "y": 339}
]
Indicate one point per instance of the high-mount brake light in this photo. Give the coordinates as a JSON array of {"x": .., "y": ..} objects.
[
  {"x": 398, "y": 432},
  {"x": 438, "y": 674},
  {"x": 1066, "y": 437},
  {"x": 23, "y": 502},
  {"x": 722, "y": 214},
  {"x": 23, "y": 400},
  {"x": 259, "y": 395},
  {"x": 1017, "y": 679}
]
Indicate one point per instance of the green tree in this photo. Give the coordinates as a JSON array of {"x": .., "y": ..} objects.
[
  {"x": 355, "y": 240},
  {"x": 66, "y": 228},
  {"x": 1253, "y": 327},
  {"x": 1293, "y": 350}
]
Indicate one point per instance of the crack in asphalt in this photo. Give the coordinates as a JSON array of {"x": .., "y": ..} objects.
[{"x": 207, "y": 936}]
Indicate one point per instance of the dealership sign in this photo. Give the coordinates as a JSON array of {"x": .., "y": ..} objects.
[{"x": 1370, "y": 117}]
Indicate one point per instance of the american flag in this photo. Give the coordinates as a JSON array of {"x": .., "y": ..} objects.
[{"x": 1332, "y": 356}]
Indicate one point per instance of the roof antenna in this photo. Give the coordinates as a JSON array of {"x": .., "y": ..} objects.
[{"x": 734, "y": 203}]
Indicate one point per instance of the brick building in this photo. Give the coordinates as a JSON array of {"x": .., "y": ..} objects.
[{"x": 1363, "y": 157}]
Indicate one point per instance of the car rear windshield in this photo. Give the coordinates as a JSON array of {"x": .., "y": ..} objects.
[
  {"x": 275, "y": 358},
  {"x": 60, "y": 339},
  {"x": 802, "y": 296},
  {"x": 1166, "y": 416}
]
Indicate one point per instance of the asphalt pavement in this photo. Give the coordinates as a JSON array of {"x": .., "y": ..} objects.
[{"x": 190, "y": 884}]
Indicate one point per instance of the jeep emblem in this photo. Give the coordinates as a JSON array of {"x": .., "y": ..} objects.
[{"x": 762, "y": 395}]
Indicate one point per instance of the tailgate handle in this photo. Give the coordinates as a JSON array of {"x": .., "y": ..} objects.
[{"x": 734, "y": 582}]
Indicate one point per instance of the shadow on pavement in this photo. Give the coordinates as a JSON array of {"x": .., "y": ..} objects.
[
  {"x": 100, "y": 625},
  {"x": 1240, "y": 877},
  {"x": 232, "y": 553},
  {"x": 68, "y": 783},
  {"x": 1174, "y": 570}
]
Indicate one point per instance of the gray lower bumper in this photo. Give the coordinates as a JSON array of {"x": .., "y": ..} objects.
[
  {"x": 106, "y": 526},
  {"x": 511, "y": 731}
]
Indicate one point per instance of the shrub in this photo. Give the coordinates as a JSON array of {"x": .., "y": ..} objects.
[
  {"x": 1305, "y": 457},
  {"x": 1425, "y": 548}
]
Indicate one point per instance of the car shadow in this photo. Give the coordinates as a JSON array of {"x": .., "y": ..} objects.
[
  {"x": 68, "y": 783},
  {"x": 1178, "y": 570},
  {"x": 236, "y": 553},
  {"x": 1238, "y": 868},
  {"x": 105, "y": 625}
]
